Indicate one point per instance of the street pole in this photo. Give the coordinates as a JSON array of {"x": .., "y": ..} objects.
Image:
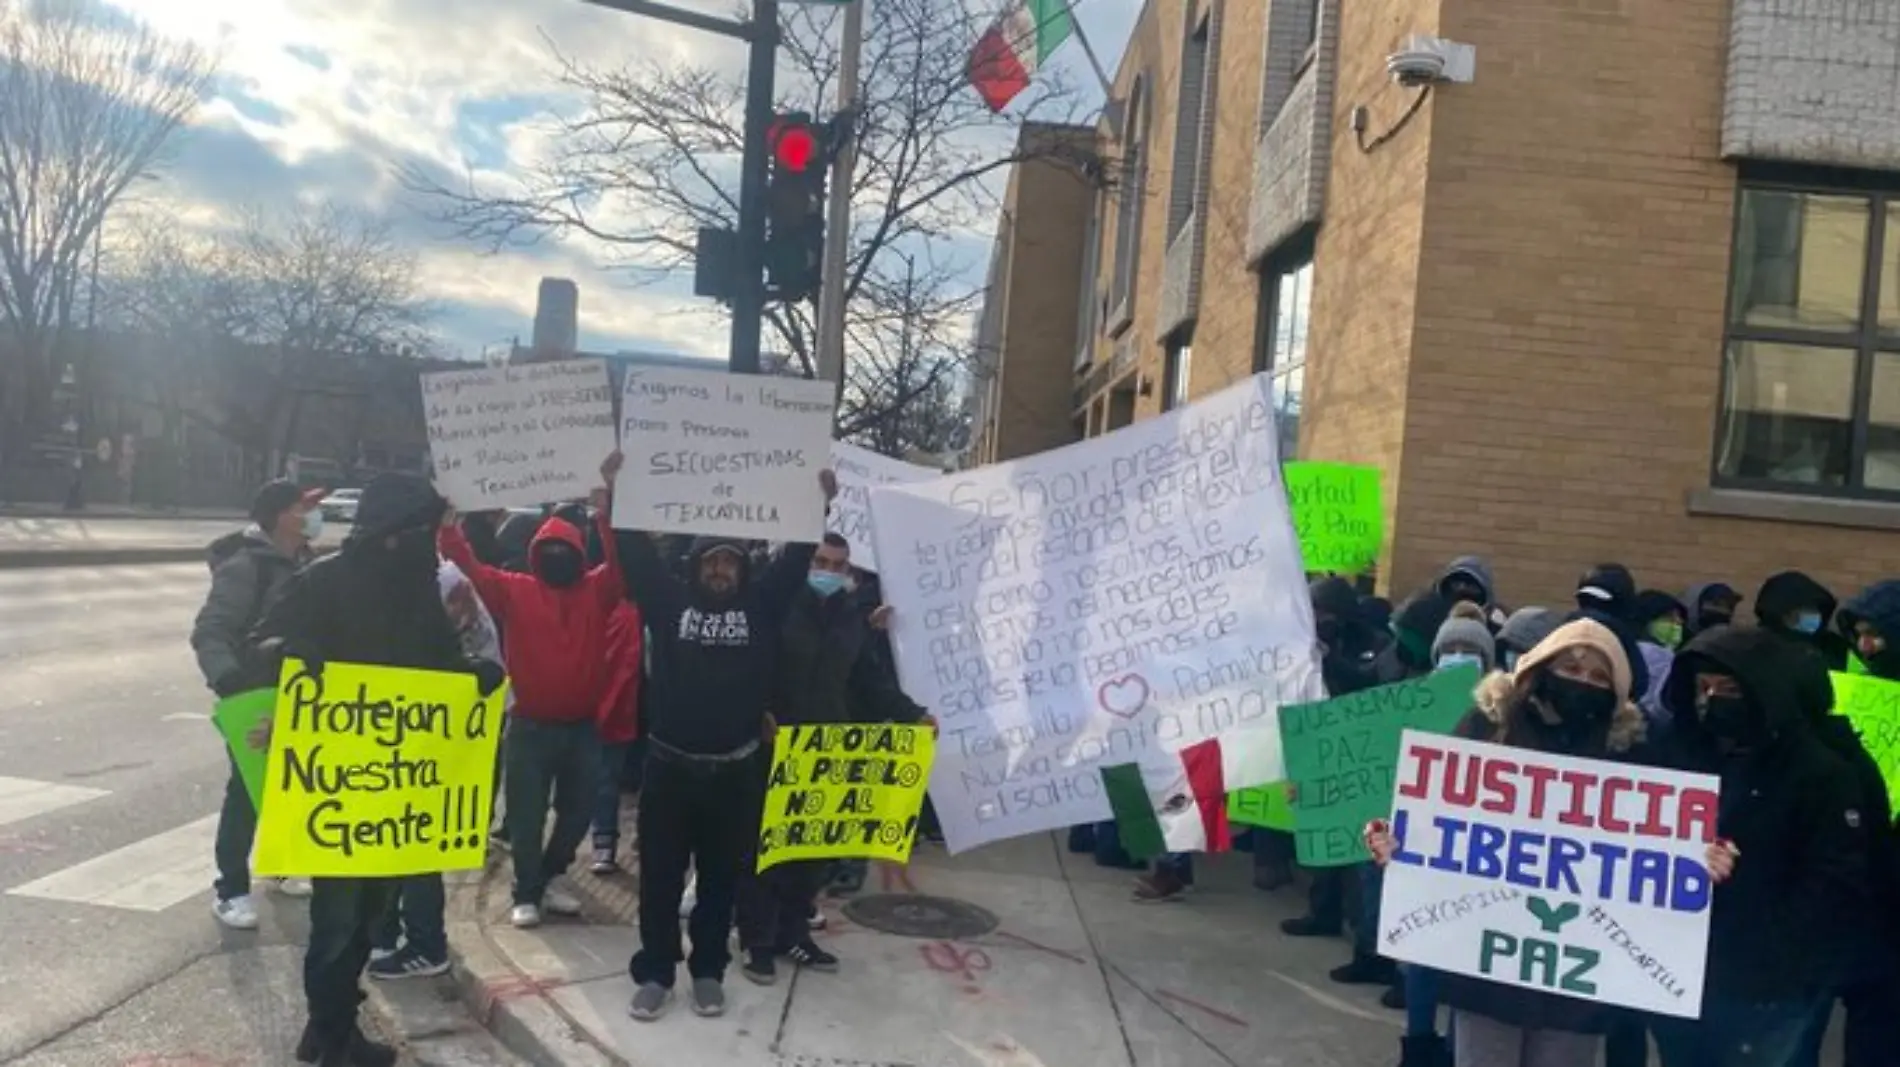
[
  {"x": 748, "y": 298},
  {"x": 831, "y": 292}
]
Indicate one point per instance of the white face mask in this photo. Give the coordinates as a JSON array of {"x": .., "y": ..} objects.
[
  {"x": 312, "y": 524},
  {"x": 1451, "y": 661}
]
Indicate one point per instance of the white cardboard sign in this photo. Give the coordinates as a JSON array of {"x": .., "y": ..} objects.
[
  {"x": 723, "y": 455},
  {"x": 859, "y": 471},
  {"x": 521, "y": 435}
]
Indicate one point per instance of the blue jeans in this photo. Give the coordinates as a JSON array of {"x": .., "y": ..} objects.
[
  {"x": 1365, "y": 931},
  {"x": 613, "y": 762},
  {"x": 1734, "y": 1033},
  {"x": 1421, "y": 1000}
]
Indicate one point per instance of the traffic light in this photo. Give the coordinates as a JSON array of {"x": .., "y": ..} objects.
[{"x": 795, "y": 206}]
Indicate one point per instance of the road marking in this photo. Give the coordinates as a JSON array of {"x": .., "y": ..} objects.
[
  {"x": 185, "y": 716},
  {"x": 148, "y": 875},
  {"x": 23, "y": 798}
]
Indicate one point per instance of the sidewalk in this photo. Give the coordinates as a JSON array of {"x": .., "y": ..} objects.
[
  {"x": 92, "y": 540},
  {"x": 1074, "y": 974}
]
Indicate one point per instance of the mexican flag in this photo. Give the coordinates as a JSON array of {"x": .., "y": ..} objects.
[
  {"x": 1015, "y": 46},
  {"x": 1174, "y": 803}
]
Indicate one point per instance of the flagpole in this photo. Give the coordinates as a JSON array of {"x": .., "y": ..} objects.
[{"x": 1095, "y": 63}]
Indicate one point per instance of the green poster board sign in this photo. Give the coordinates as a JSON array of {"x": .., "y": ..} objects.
[{"x": 1337, "y": 515}]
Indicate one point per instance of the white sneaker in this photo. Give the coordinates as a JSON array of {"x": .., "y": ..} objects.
[
  {"x": 557, "y": 899},
  {"x": 689, "y": 899},
  {"x": 292, "y": 887},
  {"x": 525, "y": 916},
  {"x": 238, "y": 913}
]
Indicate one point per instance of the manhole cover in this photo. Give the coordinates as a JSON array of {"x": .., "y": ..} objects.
[{"x": 910, "y": 915}]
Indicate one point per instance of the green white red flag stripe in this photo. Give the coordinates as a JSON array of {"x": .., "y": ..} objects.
[
  {"x": 1175, "y": 803},
  {"x": 1008, "y": 55}
]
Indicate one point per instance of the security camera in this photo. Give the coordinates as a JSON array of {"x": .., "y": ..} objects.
[{"x": 1416, "y": 65}]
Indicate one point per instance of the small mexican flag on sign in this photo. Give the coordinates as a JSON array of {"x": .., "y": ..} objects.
[
  {"x": 1015, "y": 47},
  {"x": 1175, "y": 803}
]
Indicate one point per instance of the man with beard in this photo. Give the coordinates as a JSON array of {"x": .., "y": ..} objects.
[
  {"x": 714, "y": 639},
  {"x": 375, "y": 602}
]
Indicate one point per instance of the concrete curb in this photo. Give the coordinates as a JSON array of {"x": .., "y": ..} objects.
[
  {"x": 506, "y": 1001},
  {"x": 15, "y": 559}
]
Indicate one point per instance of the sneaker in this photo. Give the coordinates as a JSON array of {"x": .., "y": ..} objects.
[
  {"x": 808, "y": 955},
  {"x": 1159, "y": 888},
  {"x": 759, "y": 967},
  {"x": 291, "y": 887},
  {"x": 709, "y": 998},
  {"x": 1393, "y": 997},
  {"x": 381, "y": 954},
  {"x": 1307, "y": 926},
  {"x": 689, "y": 899},
  {"x": 238, "y": 913},
  {"x": 650, "y": 1002},
  {"x": 556, "y": 899},
  {"x": 525, "y": 916},
  {"x": 410, "y": 962},
  {"x": 1366, "y": 970},
  {"x": 817, "y": 920},
  {"x": 604, "y": 862}
]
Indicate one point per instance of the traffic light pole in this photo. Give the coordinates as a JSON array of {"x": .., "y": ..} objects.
[
  {"x": 748, "y": 298},
  {"x": 831, "y": 294}
]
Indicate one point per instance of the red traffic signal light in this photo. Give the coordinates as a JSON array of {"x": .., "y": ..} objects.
[{"x": 794, "y": 145}]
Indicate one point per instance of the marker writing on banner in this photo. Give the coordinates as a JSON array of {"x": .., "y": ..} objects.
[
  {"x": 844, "y": 792},
  {"x": 1583, "y": 799},
  {"x": 1542, "y": 961}
]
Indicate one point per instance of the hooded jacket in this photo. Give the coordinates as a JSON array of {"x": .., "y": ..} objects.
[
  {"x": 1692, "y": 600},
  {"x": 713, "y": 657},
  {"x": 1784, "y": 925},
  {"x": 1790, "y": 592},
  {"x": 1479, "y": 571},
  {"x": 1351, "y": 660},
  {"x": 1650, "y": 605},
  {"x": 827, "y": 671},
  {"x": 1503, "y": 715},
  {"x": 1415, "y": 625},
  {"x": 248, "y": 572},
  {"x": 554, "y": 639},
  {"x": 1879, "y": 606}
]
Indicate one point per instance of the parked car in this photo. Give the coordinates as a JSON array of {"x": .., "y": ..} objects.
[{"x": 340, "y": 506}]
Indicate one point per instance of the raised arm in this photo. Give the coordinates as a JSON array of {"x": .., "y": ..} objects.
[
  {"x": 492, "y": 584},
  {"x": 609, "y": 579},
  {"x": 786, "y": 573}
]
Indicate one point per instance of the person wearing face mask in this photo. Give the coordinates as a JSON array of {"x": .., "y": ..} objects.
[
  {"x": 248, "y": 570},
  {"x": 376, "y": 602},
  {"x": 1569, "y": 696},
  {"x": 1802, "y": 610},
  {"x": 715, "y": 642},
  {"x": 1871, "y": 624},
  {"x": 1659, "y": 619},
  {"x": 1709, "y": 605},
  {"x": 825, "y": 673},
  {"x": 554, "y": 629},
  {"x": 1523, "y": 631},
  {"x": 1784, "y": 923},
  {"x": 1468, "y": 580}
]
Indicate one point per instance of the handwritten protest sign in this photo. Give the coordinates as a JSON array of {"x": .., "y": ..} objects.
[
  {"x": 1341, "y": 755},
  {"x": 1110, "y": 603},
  {"x": 845, "y": 792},
  {"x": 1576, "y": 877},
  {"x": 376, "y": 772},
  {"x": 1337, "y": 514},
  {"x": 859, "y": 470},
  {"x": 235, "y": 717},
  {"x": 518, "y": 436},
  {"x": 723, "y": 455},
  {"x": 1264, "y": 805},
  {"x": 1873, "y": 706}
]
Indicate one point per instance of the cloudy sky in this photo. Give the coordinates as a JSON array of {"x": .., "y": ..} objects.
[{"x": 319, "y": 101}]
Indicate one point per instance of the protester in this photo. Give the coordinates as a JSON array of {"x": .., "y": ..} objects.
[
  {"x": 1783, "y": 924},
  {"x": 715, "y": 638},
  {"x": 1569, "y": 696},
  {"x": 376, "y": 602},
  {"x": 248, "y": 570},
  {"x": 1801, "y": 609},
  {"x": 1607, "y": 594},
  {"x": 1523, "y": 631},
  {"x": 824, "y": 675},
  {"x": 1659, "y": 619},
  {"x": 1469, "y": 579},
  {"x": 1710, "y": 605},
  {"x": 554, "y": 624},
  {"x": 619, "y": 728},
  {"x": 1414, "y": 628},
  {"x": 1871, "y": 621}
]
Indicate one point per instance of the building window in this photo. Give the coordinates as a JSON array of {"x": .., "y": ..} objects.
[
  {"x": 1179, "y": 373},
  {"x": 1811, "y": 358},
  {"x": 1286, "y": 304},
  {"x": 1128, "y": 198},
  {"x": 1190, "y": 130},
  {"x": 1085, "y": 304}
]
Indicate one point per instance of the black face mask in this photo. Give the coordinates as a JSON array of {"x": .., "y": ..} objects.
[
  {"x": 559, "y": 567},
  {"x": 1328, "y": 632},
  {"x": 1580, "y": 707}
]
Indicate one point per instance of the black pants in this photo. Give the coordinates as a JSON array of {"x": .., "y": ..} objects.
[
  {"x": 548, "y": 760},
  {"x": 237, "y": 827},
  {"x": 345, "y": 915},
  {"x": 697, "y": 814},
  {"x": 1326, "y": 899},
  {"x": 417, "y": 915}
]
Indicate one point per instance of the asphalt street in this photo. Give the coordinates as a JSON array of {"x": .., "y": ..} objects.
[
  {"x": 110, "y": 780},
  {"x": 67, "y": 534}
]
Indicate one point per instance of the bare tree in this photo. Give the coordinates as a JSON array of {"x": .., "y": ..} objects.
[
  {"x": 653, "y": 155},
  {"x": 88, "y": 104}
]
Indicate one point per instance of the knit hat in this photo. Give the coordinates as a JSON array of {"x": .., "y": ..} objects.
[
  {"x": 1465, "y": 633},
  {"x": 1582, "y": 633},
  {"x": 1879, "y": 606},
  {"x": 1653, "y": 604},
  {"x": 1526, "y": 627}
]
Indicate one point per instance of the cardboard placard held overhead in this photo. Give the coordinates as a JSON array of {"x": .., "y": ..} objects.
[
  {"x": 859, "y": 471},
  {"x": 723, "y": 455},
  {"x": 518, "y": 436}
]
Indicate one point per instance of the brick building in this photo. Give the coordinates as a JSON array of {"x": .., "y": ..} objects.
[{"x": 1631, "y": 291}]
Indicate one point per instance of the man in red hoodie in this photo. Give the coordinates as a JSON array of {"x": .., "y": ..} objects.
[{"x": 554, "y": 624}]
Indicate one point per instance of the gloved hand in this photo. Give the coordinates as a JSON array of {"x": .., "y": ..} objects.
[{"x": 488, "y": 677}]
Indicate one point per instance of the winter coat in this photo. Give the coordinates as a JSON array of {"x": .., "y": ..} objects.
[
  {"x": 620, "y": 706},
  {"x": 1693, "y": 622},
  {"x": 1501, "y": 715},
  {"x": 1879, "y": 606},
  {"x": 1784, "y": 926},
  {"x": 1656, "y": 663},
  {"x": 826, "y": 668},
  {"x": 1480, "y": 570},
  {"x": 554, "y": 639},
  {"x": 713, "y": 658},
  {"x": 248, "y": 573},
  {"x": 1791, "y": 591}
]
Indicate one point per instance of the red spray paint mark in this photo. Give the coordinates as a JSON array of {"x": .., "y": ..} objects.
[
  {"x": 1231, "y": 1020},
  {"x": 515, "y": 987},
  {"x": 1040, "y": 947},
  {"x": 946, "y": 958}
]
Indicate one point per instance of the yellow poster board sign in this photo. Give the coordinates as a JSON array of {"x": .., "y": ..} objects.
[
  {"x": 843, "y": 791},
  {"x": 377, "y": 772}
]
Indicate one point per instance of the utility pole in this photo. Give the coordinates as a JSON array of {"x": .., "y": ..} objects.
[{"x": 831, "y": 295}]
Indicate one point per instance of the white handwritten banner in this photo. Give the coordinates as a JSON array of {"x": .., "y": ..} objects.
[
  {"x": 723, "y": 455},
  {"x": 521, "y": 435},
  {"x": 1575, "y": 877},
  {"x": 860, "y": 470},
  {"x": 1112, "y": 602}
]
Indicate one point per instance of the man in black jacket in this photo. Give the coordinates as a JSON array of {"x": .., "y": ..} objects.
[
  {"x": 714, "y": 641},
  {"x": 1784, "y": 923},
  {"x": 826, "y": 674},
  {"x": 375, "y": 602}
]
